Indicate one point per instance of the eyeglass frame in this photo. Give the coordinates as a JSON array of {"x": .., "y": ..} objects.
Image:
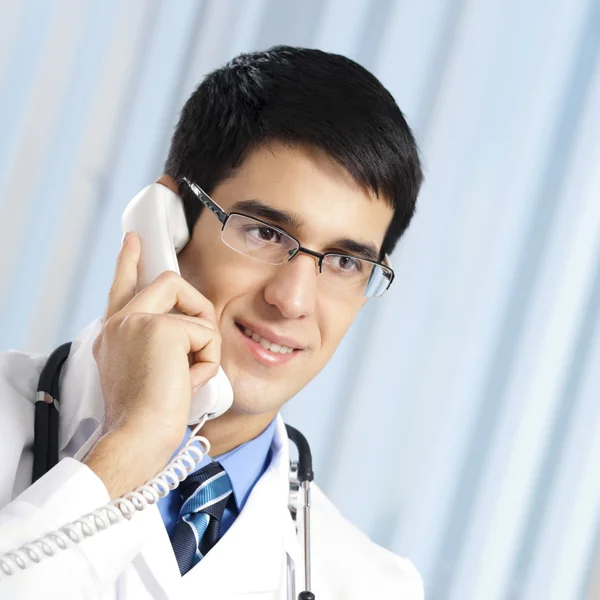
[{"x": 223, "y": 217}]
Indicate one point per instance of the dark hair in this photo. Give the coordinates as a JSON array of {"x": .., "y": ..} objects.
[{"x": 297, "y": 96}]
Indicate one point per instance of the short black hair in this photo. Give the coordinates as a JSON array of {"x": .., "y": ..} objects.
[{"x": 297, "y": 96}]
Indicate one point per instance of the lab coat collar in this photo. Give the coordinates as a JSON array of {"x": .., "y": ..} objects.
[
  {"x": 250, "y": 557},
  {"x": 81, "y": 401}
]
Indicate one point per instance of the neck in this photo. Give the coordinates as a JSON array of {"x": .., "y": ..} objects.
[{"x": 233, "y": 429}]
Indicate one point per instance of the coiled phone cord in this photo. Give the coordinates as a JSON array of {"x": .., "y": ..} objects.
[{"x": 113, "y": 512}]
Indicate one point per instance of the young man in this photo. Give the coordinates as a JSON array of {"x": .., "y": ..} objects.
[{"x": 321, "y": 171}]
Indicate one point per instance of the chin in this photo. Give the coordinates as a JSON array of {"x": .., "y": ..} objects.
[
  {"x": 249, "y": 407},
  {"x": 250, "y": 399}
]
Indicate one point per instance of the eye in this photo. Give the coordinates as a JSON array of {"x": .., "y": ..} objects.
[
  {"x": 264, "y": 234},
  {"x": 346, "y": 264}
]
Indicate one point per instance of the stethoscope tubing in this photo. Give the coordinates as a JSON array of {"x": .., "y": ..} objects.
[{"x": 45, "y": 440}]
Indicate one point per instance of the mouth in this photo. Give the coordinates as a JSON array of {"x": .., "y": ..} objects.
[{"x": 265, "y": 351}]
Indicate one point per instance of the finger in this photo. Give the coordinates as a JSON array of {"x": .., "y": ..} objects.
[
  {"x": 170, "y": 291},
  {"x": 204, "y": 346},
  {"x": 201, "y": 374},
  {"x": 195, "y": 357},
  {"x": 198, "y": 320},
  {"x": 123, "y": 287}
]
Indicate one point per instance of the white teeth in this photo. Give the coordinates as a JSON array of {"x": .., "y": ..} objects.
[{"x": 272, "y": 346}]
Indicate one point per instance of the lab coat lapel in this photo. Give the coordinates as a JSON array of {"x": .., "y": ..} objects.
[{"x": 250, "y": 558}]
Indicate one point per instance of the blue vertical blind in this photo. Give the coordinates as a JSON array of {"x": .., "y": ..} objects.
[{"x": 463, "y": 406}]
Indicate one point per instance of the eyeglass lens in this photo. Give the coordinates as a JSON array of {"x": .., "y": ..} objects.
[{"x": 273, "y": 246}]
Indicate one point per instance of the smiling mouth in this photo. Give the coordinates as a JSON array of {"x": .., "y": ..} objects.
[{"x": 266, "y": 344}]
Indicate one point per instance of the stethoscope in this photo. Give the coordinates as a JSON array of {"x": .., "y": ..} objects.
[{"x": 45, "y": 451}]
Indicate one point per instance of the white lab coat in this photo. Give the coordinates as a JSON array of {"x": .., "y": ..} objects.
[{"x": 134, "y": 559}]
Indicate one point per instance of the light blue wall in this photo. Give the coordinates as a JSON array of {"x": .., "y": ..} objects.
[{"x": 459, "y": 423}]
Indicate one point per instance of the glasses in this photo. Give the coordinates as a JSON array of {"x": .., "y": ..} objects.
[{"x": 269, "y": 244}]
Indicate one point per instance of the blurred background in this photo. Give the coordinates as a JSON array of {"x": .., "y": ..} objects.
[{"x": 463, "y": 408}]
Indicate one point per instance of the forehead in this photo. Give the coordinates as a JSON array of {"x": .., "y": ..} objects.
[{"x": 326, "y": 200}]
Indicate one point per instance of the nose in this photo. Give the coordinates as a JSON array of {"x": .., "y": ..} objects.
[{"x": 293, "y": 287}]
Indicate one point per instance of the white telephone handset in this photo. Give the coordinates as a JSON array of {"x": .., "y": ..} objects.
[{"x": 156, "y": 215}]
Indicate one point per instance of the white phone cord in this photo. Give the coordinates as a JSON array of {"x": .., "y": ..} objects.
[{"x": 88, "y": 525}]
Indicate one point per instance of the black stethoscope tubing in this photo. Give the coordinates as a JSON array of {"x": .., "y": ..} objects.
[{"x": 45, "y": 441}]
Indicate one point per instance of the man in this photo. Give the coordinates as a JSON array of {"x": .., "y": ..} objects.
[{"x": 312, "y": 154}]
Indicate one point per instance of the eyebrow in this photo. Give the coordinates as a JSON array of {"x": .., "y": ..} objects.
[{"x": 256, "y": 208}]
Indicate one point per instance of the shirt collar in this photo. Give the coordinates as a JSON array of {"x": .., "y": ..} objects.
[{"x": 245, "y": 464}]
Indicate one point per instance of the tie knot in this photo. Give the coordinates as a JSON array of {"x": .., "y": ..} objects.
[
  {"x": 207, "y": 490},
  {"x": 205, "y": 495}
]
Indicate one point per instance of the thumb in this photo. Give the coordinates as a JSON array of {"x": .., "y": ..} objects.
[{"x": 124, "y": 283}]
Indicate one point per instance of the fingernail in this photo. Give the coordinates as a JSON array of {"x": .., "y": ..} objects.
[{"x": 124, "y": 238}]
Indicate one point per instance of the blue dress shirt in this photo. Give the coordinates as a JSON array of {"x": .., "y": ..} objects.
[{"x": 245, "y": 465}]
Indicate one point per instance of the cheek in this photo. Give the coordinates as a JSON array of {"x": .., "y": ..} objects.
[
  {"x": 211, "y": 266},
  {"x": 227, "y": 278}
]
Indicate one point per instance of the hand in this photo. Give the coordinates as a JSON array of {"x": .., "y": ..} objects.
[{"x": 149, "y": 363}]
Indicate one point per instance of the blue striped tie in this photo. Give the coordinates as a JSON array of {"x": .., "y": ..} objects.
[{"x": 205, "y": 495}]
